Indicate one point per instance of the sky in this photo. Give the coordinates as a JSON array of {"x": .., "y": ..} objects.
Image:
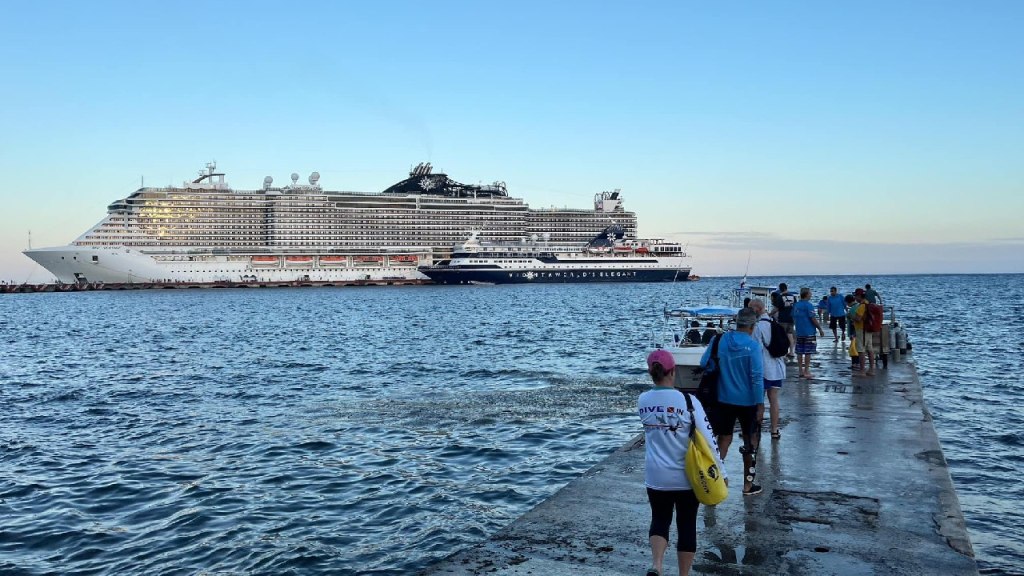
[{"x": 806, "y": 137}]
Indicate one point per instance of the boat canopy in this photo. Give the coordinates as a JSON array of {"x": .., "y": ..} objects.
[{"x": 703, "y": 311}]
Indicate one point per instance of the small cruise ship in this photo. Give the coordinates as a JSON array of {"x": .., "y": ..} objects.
[
  {"x": 609, "y": 257},
  {"x": 205, "y": 231}
]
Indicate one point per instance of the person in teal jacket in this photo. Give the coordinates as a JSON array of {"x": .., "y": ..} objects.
[{"x": 740, "y": 392}]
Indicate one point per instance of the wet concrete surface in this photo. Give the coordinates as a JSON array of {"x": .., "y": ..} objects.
[{"x": 857, "y": 485}]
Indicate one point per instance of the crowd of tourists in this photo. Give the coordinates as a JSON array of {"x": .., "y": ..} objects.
[{"x": 749, "y": 365}]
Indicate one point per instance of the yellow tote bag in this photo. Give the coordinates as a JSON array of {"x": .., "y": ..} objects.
[{"x": 702, "y": 466}]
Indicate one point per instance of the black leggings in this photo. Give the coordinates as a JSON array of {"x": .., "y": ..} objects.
[{"x": 685, "y": 504}]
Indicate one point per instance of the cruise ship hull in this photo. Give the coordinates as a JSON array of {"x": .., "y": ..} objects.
[
  {"x": 442, "y": 275},
  {"x": 89, "y": 264}
]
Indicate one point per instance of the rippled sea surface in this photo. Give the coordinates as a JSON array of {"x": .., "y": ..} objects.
[{"x": 362, "y": 430}]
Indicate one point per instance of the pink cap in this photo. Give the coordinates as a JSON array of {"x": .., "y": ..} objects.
[{"x": 663, "y": 357}]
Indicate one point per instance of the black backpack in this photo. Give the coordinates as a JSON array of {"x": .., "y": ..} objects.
[
  {"x": 707, "y": 390},
  {"x": 778, "y": 346}
]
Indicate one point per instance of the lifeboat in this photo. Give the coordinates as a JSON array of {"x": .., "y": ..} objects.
[
  {"x": 403, "y": 259},
  {"x": 642, "y": 250},
  {"x": 298, "y": 260},
  {"x": 621, "y": 249},
  {"x": 333, "y": 260},
  {"x": 265, "y": 260},
  {"x": 368, "y": 260}
]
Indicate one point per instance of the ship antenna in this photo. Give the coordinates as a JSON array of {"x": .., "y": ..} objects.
[
  {"x": 29, "y": 239},
  {"x": 743, "y": 282}
]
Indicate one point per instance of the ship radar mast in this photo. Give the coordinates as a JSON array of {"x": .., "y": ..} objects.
[
  {"x": 608, "y": 201},
  {"x": 209, "y": 179}
]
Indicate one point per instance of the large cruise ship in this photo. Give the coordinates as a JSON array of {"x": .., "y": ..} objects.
[{"x": 205, "y": 231}]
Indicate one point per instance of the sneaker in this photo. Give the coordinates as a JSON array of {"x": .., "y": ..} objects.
[{"x": 754, "y": 489}]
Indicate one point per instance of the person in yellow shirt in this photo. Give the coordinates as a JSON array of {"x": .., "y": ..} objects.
[
  {"x": 864, "y": 347},
  {"x": 852, "y": 306}
]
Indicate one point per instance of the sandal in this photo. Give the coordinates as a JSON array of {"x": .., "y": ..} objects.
[
  {"x": 776, "y": 435},
  {"x": 652, "y": 571},
  {"x": 754, "y": 489}
]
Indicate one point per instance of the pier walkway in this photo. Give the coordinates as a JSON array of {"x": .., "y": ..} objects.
[{"x": 857, "y": 485}]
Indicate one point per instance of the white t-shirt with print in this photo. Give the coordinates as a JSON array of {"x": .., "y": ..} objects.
[{"x": 666, "y": 433}]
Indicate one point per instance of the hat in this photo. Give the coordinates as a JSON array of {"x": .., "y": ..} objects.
[
  {"x": 858, "y": 292},
  {"x": 663, "y": 357}
]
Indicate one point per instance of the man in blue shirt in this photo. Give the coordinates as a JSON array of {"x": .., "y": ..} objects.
[
  {"x": 740, "y": 392},
  {"x": 837, "y": 314},
  {"x": 806, "y": 323}
]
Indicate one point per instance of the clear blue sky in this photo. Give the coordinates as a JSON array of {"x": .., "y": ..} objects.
[{"x": 869, "y": 137}]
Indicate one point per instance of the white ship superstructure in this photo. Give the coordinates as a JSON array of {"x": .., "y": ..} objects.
[
  {"x": 609, "y": 257},
  {"x": 205, "y": 231}
]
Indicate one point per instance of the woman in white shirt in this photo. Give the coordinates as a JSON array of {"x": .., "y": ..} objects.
[{"x": 667, "y": 422}]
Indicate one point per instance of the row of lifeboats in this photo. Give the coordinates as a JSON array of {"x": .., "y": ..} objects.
[
  {"x": 371, "y": 260},
  {"x": 618, "y": 249}
]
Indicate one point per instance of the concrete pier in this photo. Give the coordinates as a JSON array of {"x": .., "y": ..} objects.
[{"x": 857, "y": 485}]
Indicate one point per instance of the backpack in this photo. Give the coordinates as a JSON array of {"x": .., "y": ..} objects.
[
  {"x": 778, "y": 346},
  {"x": 873, "y": 317},
  {"x": 707, "y": 389}
]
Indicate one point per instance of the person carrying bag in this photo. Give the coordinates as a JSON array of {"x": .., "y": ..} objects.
[{"x": 673, "y": 423}]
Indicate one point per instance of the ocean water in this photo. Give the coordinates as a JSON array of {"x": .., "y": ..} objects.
[{"x": 362, "y": 430}]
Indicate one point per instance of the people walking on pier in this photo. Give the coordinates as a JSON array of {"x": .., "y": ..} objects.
[
  {"x": 667, "y": 422},
  {"x": 837, "y": 314},
  {"x": 782, "y": 303},
  {"x": 774, "y": 368},
  {"x": 806, "y": 323},
  {"x": 740, "y": 393}
]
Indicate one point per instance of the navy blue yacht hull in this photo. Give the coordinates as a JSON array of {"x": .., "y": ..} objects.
[{"x": 463, "y": 276}]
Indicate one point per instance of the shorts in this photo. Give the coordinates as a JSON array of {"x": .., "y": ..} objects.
[
  {"x": 872, "y": 342},
  {"x": 788, "y": 326},
  {"x": 772, "y": 383},
  {"x": 806, "y": 345},
  {"x": 838, "y": 322},
  {"x": 723, "y": 423}
]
